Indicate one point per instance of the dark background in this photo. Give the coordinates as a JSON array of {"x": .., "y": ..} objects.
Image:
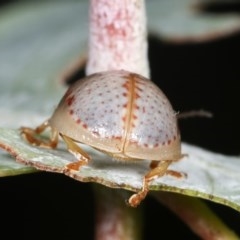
[{"x": 193, "y": 76}]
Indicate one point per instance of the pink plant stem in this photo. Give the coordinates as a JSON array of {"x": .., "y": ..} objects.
[
  {"x": 114, "y": 219},
  {"x": 118, "y": 36},
  {"x": 118, "y": 40}
]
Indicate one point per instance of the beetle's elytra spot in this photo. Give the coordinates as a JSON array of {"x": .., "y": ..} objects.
[
  {"x": 137, "y": 96},
  {"x": 96, "y": 133},
  {"x": 71, "y": 112},
  {"x": 156, "y": 145},
  {"x": 169, "y": 142},
  {"x": 136, "y": 107},
  {"x": 78, "y": 121},
  {"x": 70, "y": 100},
  {"x": 117, "y": 137},
  {"x": 126, "y": 85}
]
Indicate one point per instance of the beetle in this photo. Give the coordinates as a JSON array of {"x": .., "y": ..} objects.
[{"x": 120, "y": 113}]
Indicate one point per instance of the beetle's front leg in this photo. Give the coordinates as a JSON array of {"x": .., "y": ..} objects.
[
  {"x": 81, "y": 155},
  {"x": 30, "y": 134},
  {"x": 158, "y": 169}
]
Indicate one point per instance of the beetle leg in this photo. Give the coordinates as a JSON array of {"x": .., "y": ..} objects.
[
  {"x": 155, "y": 172},
  {"x": 30, "y": 135},
  {"x": 82, "y": 156},
  {"x": 158, "y": 169}
]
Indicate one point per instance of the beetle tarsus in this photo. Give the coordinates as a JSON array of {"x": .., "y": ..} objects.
[
  {"x": 30, "y": 135},
  {"x": 136, "y": 198},
  {"x": 158, "y": 169},
  {"x": 74, "y": 166}
]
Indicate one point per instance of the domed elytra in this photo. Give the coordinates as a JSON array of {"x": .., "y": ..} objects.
[{"x": 121, "y": 113}]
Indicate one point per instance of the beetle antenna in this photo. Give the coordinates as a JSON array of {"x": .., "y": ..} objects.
[{"x": 195, "y": 113}]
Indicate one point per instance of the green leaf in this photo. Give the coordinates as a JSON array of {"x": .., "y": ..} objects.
[
  {"x": 9, "y": 167},
  {"x": 186, "y": 20},
  {"x": 209, "y": 175}
]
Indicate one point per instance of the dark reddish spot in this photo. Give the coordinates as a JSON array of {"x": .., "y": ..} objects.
[
  {"x": 139, "y": 89},
  {"x": 156, "y": 145},
  {"x": 169, "y": 142},
  {"x": 117, "y": 137},
  {"x": 70, "y": 100},
  {"x": 125, "y": 85},
  {"x": 124, "y": 94},
  {"x": 71, "y": 112},
  {"x": 84, "y": 125},
  {"x": 134, "y": 116},
  {"x": 137, "y": 96},
  {"x": 174, "y": 138},
  {"x": 136, "y": 106},
  {"x": 124, "y": 119},
  {"x": 133, "y": 125},
  {"x": 145, "y": 145},
  {"x": 96, "y": 133},
  {"x": 78, "y": 121},
  {"x": 125, "y": 105}
]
